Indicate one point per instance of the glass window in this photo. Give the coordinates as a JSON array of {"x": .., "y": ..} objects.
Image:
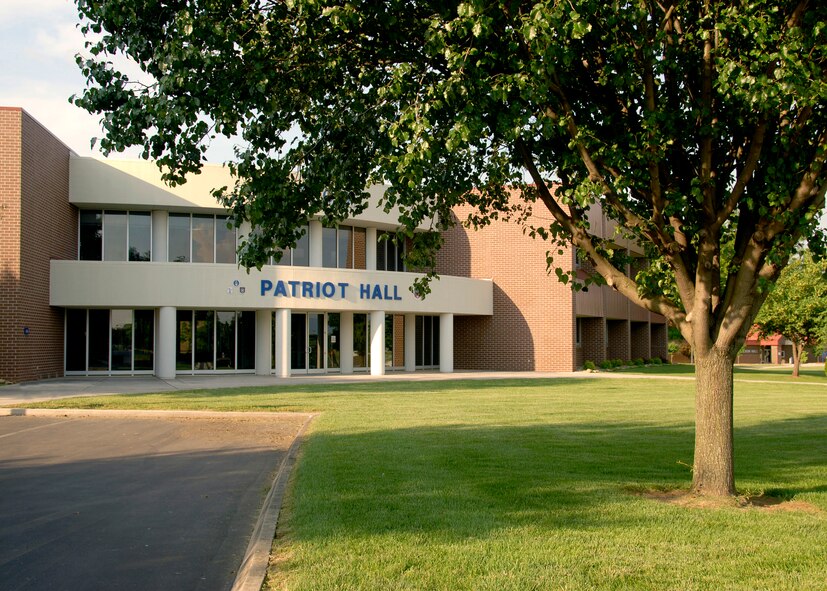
[
  {"x": 121, "y": 340},
  {"x": 98, "y": 340},
  {"x": 301, "y": 254},
  {"x": 329, "y": 258},
  {"x": 420, "y": 340},
  {"x": 179, "y": 238},
  {"x": 224, "y": 241},
  {"x": 144, "y": 333},
  {"x": 333, "y": 352},
  {"x": 114, "y": 236},
  {"x": 388, "y": 340},
  {"x": 246, "y": 341},
  {"x": 360, "y": 340},
  {"x": 203, "y": 239},
  {"x": 285, "y": 258},
  {"x": 183, "y": 353},
  {"x": 345, "y": 247},
  {"x": 298, "y": 341},
  {"x": 225, "y": 340},
  {"x": 140, "y": 236},
  {"x": 204, "y": 339},
  {"x": 381, "y": 252},
  {"x": 91, "y": 236},
  {"x": 75, "y": 340}
]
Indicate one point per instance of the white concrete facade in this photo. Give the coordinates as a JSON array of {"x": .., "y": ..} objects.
[{"x": 295, "y": 307}]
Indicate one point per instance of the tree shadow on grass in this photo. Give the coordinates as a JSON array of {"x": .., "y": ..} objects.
[{"x": 461, "y": 481}]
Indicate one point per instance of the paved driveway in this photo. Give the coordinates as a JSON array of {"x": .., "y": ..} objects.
[{"x": 133, "y": 503}]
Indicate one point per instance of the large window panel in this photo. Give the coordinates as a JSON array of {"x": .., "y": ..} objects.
[
  {"x": 225, "y": 247},
  {"x": 204, "y": 339},
  {"x": 98, "y": 340},
  {"x": 91, "y": 236},
  {"x": 225, "y": 340},
  {"x": 345, "y": 247},
  {"x": 360, "y": 340},
  {"x": 140, "y": 236},
  {"x": 246, "y": 340},
  {"x": 75, "y": 339},
  {"x": 203, "y": 239},
  {"x": 179, "y": 238},
  {"x": 144, "y": 329},
  {"x": 184, "y": 338},
  {"x": 121, "y": 340},
  {"x": 301, "y": 253},
  {"x": 114, "y": 236},
  {"x": 329, "y": 258}
]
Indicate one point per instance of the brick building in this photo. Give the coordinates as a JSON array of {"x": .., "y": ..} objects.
[{"x": 107, "y": 271}]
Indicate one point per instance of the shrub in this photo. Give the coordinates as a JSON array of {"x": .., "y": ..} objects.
[
  {"x": 639, "y": 361},
  {"x": 655, "y": 361},
  {"x": 618, "y": 363},
  {"x": 606, "y": 364},
  {"x": 589, "y": 365}
]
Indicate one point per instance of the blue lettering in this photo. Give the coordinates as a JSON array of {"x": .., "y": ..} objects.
[
  {"x": 266, "y": 285},
  {"x": 364, "y": 291},
  {"x": 281, "y": 289},
  {"x": 328, "y": 290},
  {"x": 343, "y": 286},
  {"x": 377, "y": 292},
  {"x": 396, "y": 295},
  {"x": 307, "y": 289},
  {"x": 294, "y": 288}
]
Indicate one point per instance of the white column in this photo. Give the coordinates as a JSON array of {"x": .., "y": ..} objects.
[
  {"x": 283, "y": 342},
  {"x": 370, "y": 249},
  {"x": 446, "y": 343},
  {"x": 377, "y": 343},
  {"x": 160, "y": 230},
  {"x": 165, "y": 343},
  {"x": 264, "y": 340},
  {"x": 346, "y": 341},
  {"x": 410, "y": 342},
  {"x": 315, "y": 229}
]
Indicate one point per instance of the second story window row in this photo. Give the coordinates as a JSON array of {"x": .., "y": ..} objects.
[
  {"x": 201, "y": 238},
  {"x": 115, "y": 235}
]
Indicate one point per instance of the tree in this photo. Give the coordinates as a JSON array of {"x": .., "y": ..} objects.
[
  {"x": 691, "y": 123},
  {"x": 797, "y": 306}
]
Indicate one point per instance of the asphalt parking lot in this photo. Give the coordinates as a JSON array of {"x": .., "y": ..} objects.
[{"x": 133, "y": 502}]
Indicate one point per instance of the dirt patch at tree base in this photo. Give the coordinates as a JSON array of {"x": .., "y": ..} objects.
[{"x": 684, "y": 498}]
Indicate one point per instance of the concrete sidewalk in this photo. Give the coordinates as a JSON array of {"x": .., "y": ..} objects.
[{"x": 20, "y": 394}]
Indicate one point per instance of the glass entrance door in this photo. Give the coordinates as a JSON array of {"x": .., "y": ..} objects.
[{"x": 307, "y": 342}]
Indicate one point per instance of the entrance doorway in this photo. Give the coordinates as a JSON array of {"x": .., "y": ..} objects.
[{"x": 314, "y": 342}]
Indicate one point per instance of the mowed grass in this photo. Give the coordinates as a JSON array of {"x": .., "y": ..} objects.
[
  {"x": 809, "y": 373},
  {"x": 529, "y": 484}
]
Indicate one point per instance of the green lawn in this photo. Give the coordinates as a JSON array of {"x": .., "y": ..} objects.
[{"x": 525, "y": 484}]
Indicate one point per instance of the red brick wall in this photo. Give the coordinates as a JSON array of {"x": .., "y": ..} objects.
[
  {"x": 594, "y": 339},
  {"x": 640, "y": 341},
  {"x": 35, "y": 184},
  {"x": 533, "y": 323}
]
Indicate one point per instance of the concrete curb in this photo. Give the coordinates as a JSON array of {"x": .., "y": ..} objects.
[
  {"x": 145, "y": 414},
  {"x": 256, "y": 559}
]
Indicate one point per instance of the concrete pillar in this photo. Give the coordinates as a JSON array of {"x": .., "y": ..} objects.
[
  {"x": 160, "y": 232},
  {"x": 370, "y": 249},
  {"x": 410, "y": 342},
  {"x": 346, "y": 341},
  {"x": 165, "y": 343},
  {"x": 283, "y": 342},
  {"x": 446, "y": 343},
  {"x": 264, "y": 340},
  {"x": 377, "y": 343},
  {"x": 315, "y": 241}
]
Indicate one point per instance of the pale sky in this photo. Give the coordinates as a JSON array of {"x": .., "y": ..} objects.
[{"x": 38, "y": 43}]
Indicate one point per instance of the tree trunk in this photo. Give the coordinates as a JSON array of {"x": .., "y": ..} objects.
[
  {"x": 797, "y": 350},
  {"x": 713, "y": 471}
]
